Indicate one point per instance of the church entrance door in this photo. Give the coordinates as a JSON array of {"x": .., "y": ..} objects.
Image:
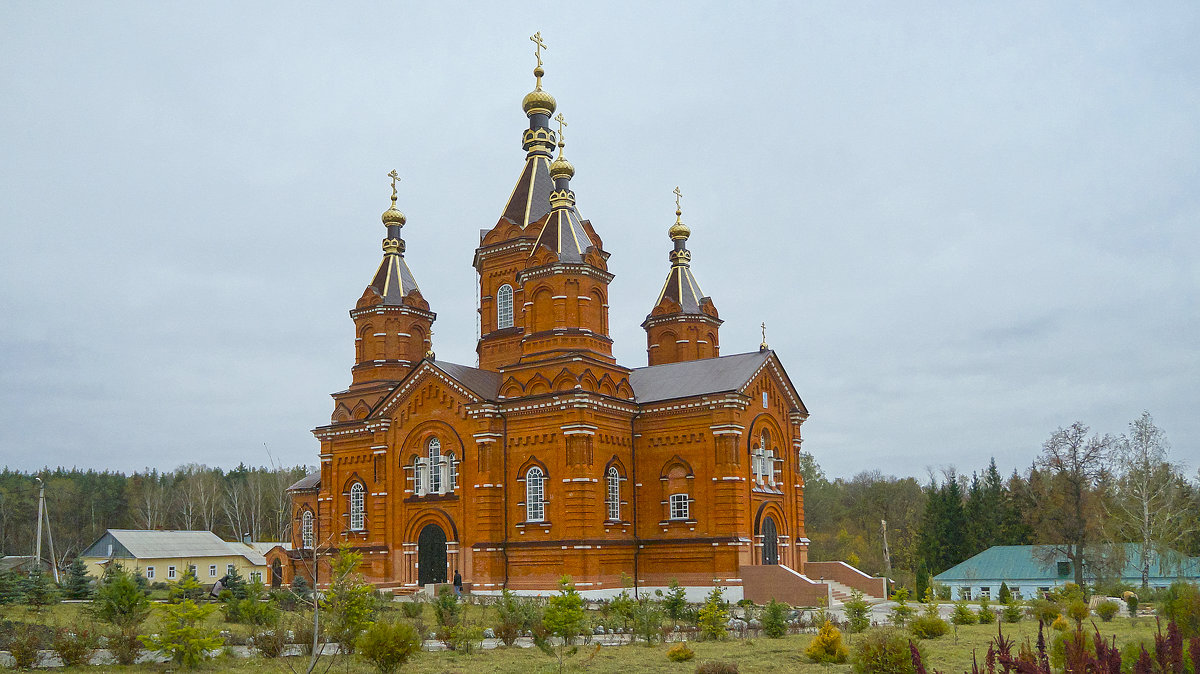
[
  {"x": 276, "y": 574},
  {"x": 770, "y": 554},
  {"x": 431, "y": 555}
]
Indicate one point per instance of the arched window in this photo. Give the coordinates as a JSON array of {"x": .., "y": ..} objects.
[
  {"x": 451, "y": 473},
  {"x": 358, "y": 507},
  {"x": 614, "y": 494},
  {"x": 535, "y": 495},
  {"x": 504, "y": 307},
  {"x": 435, "y": 466},
  {"x": 306, "y": 530}
]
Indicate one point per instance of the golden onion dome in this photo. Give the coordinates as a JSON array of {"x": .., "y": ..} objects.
[
  {"x": 393, "y": 216},
  {"x": 539, "y": 101},
  {"x": 679, "y": 231},
  {"x": 561, "y": 168}
]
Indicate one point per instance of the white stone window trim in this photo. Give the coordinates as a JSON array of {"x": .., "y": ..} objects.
[
  {"x": 679, "y": 506},
  {"x": 358, "y": 506}
]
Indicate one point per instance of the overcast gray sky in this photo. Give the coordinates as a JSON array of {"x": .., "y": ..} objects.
[{"x": 965, "y": 224}]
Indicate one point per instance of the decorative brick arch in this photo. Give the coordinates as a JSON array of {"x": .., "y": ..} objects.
[{"x": 430, "y": 516}]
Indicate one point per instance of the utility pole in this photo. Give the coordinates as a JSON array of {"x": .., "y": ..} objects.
[
  {"x": 44, "y": 515},
  {"x": 887, "y": 556}
]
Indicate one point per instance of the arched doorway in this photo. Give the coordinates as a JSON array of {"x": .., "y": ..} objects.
[
  {"x": 431, "y": 555},
  {"x": 276, "y": 574},
  {"x": 770, "y": 551}
]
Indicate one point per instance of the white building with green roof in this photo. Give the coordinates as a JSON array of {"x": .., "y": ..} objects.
[{"x": 1028, "y": 574}]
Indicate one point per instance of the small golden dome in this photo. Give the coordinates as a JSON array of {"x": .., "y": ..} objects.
[
  {"x": 539, "y": 101},
  {"x": 561, "y": 168},
  {"x": 393, "y": 216},
  {"x": 679, "y": 231}
]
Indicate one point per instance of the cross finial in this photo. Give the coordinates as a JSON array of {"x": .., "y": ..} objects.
[
  {"x": 537, "y": 40},
  {"x": 395, "y": 179},
  {"x": 562, "y": 121},
  {"x": 678, "y": 196},
  {"x": 763, "y": 346}
]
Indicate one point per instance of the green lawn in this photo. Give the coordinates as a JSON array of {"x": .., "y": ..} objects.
[{"x": 755, "y": 655}]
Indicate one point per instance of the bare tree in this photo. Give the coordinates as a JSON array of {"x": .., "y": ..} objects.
[
  {"x": 1151, "y": 504},
  {"x": 1070, "y": 493},
  {"x": 148, "y": 498}
]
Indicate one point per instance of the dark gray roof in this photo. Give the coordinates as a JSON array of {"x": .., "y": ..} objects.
[
  {"x": 695, "y": 377},
  {"x": 310, "y": 481},
  {"x": 393, "y": 281},
  {"x": 530, "y": 199},
  {"x": 482, "y": 383},
  {"x": 681, "y": 288},
  {"x": 564, "y": 234}
]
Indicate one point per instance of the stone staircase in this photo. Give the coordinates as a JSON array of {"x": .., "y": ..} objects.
[{"x": 842, "y": 593}]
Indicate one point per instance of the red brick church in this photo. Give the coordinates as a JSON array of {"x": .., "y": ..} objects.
[{"x": 548, "y": 457}]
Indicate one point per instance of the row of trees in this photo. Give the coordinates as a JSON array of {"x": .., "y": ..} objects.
[
  {"x": 82, "y": 504},
  {"x": 1082, "y": 495}
]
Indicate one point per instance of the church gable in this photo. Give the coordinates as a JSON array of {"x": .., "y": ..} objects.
[
  {"x": 771, "y": 379},
  {"x": 428, "y": 387}
]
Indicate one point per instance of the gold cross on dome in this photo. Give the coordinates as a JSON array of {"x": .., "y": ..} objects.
[
  {"x": 678, "y": 196},
  {"x": 395, "y": 179},
  {"x": 562, "y": 121},
  {"x": 537, "y": 39},
  {"x": 764, "y": 331}
]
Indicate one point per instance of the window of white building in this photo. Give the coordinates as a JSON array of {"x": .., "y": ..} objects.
[
  {"x": 212, "y": 570},
  {"x": 170, "y": 573},
  {"x": 150, "y": 572}
]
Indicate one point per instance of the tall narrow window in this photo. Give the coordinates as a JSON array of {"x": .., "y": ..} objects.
[
  {"x": 306, "y": 532},
  {"x": 679, "y": 506},
  {"x": 419, "y": 476},
  {"x": 451, "y": 473},
  {"x": 358, "y": 507},
  {"x": 535, "y": 495},
  {"x": 435, "y": 466},
  {"x": 504, "y": 307},
  {"x": 614, "y": 494}
]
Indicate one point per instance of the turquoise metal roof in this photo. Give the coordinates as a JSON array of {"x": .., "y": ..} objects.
[{"x": 1018, "y": 562}]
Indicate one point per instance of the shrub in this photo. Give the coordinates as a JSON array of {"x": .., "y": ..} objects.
[
  {"x": 125, "y": 648},
  {"x": 902, "y": 612},
  {"x": 717, "y": 667},
  {"x": 647, "y": 620},
  {"x": 827, "y": 646},
  {"x": 774, "y": 619},
  {"x": 713, "y": 616},
  {"x": 24, "y": 645},
  {"x": 675, "y": 602},
  {"x": 680, "y": 652},
  {"x": 1181, "y": 603},
  {"x": 1131, "y": 605},
  {"x": 1065, "y": 594},
  {"x": 1012, "y": 612},
  {"x": 1107, "y": 610},
  {"x": 1078, "y": 611},
  {"x": 1044, "y": 610},
  {"x": 187, "y": 588},
  {"x": 75, "y": 645},
  {"x": 183, "y": 639},
  {"x": 516, "y": 615},
  {"x": 1058, "y": 646},
  {"x": 349, "y": 603},
  {"x": 302, "y": 632},
  {"x": 270, "y": 642},
  {"x": 1060, "y": 624},
  {"x": 963, "y": 615},
  {"x": 929, "y": 625},
  {"x": 412, "y": 609},
  {"x": 1005, "y": 593},
  {"x": 882, "y": 651},
  {"x": 388, "y": 645},
  {"x": 251, "y": 609},
  {"x": 40, "y": 590},
  {"x": 858, "y": 612},
  {"x": 986, "y": 615}
]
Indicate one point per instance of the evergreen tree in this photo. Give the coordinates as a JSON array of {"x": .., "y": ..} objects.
[
  {"x": 12, "y": 587},
  {"x": 78, "y": 584},
  {"x": 943, "y": 527},
  {"x": 40, "y": 589},
  {"x": 922, "y": 581}
]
